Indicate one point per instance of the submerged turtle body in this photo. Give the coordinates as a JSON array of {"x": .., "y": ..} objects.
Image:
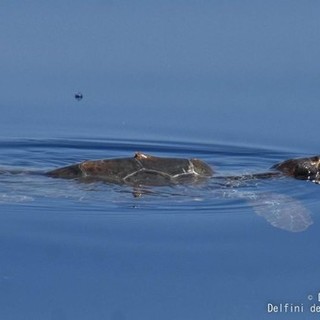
[
  {"x": 142, "y": 169},
  {"x": 281, "y": 211}
]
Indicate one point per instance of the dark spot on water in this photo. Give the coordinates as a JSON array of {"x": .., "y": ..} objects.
[{"x": 78, "y": 96}]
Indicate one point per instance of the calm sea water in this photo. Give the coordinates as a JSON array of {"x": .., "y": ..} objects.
[
  {"x": 71, "y": 250},
  {"x": 234, "y": 84}
]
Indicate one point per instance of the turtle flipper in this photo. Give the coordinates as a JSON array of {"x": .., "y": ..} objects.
[{"x": 281, "y": 211}]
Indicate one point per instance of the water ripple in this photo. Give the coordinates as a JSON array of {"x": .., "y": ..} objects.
[{"x": 215, "y": 197}]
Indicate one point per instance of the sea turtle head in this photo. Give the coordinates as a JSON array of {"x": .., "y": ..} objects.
[{"x": 303, "y": 168}]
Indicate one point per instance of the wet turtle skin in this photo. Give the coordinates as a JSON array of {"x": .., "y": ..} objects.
[
  {"x": 281, "y": 211},
  {"x": 302, "y": 169},
  {"x": 143, "y": 169}
]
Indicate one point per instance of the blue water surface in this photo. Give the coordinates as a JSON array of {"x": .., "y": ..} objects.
[
  {"x": 233, "y": 84},
  {"x": 93, "y": 250}
]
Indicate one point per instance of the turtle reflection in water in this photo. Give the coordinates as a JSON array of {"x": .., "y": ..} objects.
[{"x": 144, "y": 170}]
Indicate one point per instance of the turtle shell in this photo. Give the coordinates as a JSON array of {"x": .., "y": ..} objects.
[{"x": 142, "y": 169}]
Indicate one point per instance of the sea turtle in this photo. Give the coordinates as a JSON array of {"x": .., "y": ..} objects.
[
  {"x": 281, "y": 211},
  {"x": 147, "y": 170}
]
